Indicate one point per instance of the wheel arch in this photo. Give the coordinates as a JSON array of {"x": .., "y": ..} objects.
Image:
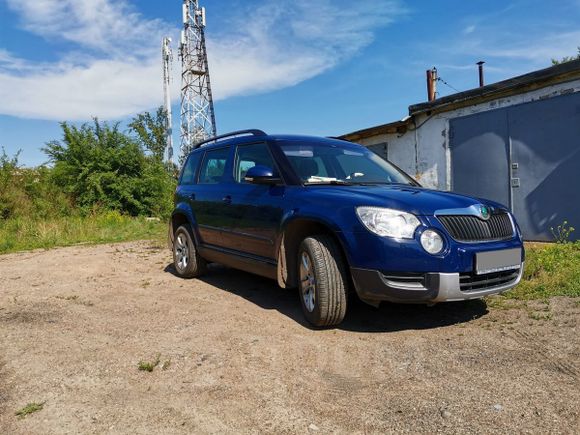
[
  {"x": 293, "y": 232},
  {"x": 180, "y": 216}
]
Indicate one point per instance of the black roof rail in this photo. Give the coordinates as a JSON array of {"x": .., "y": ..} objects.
[{"x": 254, "y": 132}]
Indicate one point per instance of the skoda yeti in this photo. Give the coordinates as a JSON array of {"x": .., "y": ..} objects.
[{"x": 330, "y": 217}]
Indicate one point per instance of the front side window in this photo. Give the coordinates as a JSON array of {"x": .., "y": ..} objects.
[
  {"x": 323, "y": 163},
  {"x": 248, "y": 156},
  {"x": 213, "y": 166}
]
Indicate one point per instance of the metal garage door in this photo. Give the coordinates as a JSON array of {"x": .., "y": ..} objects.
[
  {"x": 480, "y": 155},
  {"x": 539, "y": 143}
]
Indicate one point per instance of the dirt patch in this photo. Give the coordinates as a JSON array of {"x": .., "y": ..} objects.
[{"x": 235, "y": 355}]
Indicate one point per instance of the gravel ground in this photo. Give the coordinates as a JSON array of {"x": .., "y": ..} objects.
[{"x": 236, "y": 356}]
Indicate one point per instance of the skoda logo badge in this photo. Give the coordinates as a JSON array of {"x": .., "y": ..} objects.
[{"x": 484, "y": 212}]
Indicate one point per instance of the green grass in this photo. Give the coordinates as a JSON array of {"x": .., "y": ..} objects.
[
  {"x": 148, "y": 366},
  {"x": 551, "y": 270},
  {"x": 29, "y": 409},
  {"x": 27, "y": 234}
]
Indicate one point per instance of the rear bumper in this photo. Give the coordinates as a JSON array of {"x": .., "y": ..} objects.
[{"x": 373, "y": 286}]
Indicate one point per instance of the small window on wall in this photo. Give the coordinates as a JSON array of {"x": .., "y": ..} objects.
[
  {"x": 190, "y": 169},
  {"x": 213, "y": 166},
  {"x": 248, "y": 156}
]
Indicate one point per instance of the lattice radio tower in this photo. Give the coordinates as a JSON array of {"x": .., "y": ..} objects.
[
  {"x": 167, "y": 58},
  {"x": 197, "y": 114}
]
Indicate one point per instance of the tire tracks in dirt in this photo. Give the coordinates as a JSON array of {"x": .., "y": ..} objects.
[{"x": 546, "y": 352}]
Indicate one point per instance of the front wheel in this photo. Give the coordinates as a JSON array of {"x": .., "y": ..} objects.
[
  {"x": 186, "y": 259},
  {"x": 323, "y": 283}
]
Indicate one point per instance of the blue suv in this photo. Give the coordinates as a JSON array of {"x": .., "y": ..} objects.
[{"x": 330, "y": 217}]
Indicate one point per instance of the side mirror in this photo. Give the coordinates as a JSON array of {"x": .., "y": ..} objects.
[{"x": 261, "y": 175}]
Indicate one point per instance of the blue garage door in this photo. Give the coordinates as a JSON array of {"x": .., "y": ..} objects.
[
  {"x": 533, "y": 150},
  {"x": 480, "y": 155}
]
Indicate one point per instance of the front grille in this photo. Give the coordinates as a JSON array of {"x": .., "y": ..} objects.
[
  {"x": 467, "y": 228},
  {"x": 471, "y": 282}
]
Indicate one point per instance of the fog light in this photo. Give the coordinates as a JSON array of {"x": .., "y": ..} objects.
[{"x": 432, "y": 242}]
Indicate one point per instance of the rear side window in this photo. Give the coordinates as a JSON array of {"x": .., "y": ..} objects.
[
  {"x": 248, "y": 156},
  {"x": 190, "y": 169},
  {"x": 213, "y": 166}
]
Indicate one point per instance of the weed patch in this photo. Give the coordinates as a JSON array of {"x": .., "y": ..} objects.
[
  {"x": 29, "y": 409},
  {"x": 148, "y": 366},
  {"x": 550, "y": 270}
]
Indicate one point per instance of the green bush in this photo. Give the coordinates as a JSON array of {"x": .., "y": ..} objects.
[
  {"x": 29, "y": 192},
  {"x": 100, "y": 167}
]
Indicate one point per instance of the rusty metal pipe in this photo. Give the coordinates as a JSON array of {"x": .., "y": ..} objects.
[
  {"x": 431, "y": 77},
  {"x": 480, "y": 69}
]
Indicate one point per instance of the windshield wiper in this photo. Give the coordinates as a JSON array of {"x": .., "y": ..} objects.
[
  {"x": 327, "y": 182},
  {"x": 389, "y": 183}
]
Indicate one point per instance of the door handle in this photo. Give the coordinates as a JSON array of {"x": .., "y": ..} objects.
[
  {"x": 227, "y": 199},
  {"x": 192, "y": 196}
]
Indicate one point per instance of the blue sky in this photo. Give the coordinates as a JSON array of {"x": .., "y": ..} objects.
[{"x": 322, "y": 67}]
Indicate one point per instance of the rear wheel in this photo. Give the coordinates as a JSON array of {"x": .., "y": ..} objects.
[
  {"x": 323, "y": 283},
  {"x": 186, "y": 259}
]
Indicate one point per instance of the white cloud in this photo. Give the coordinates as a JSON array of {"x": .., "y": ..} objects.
[
  {"x": 469, "y": 29},
  {"x": 539, "y": 50},
  {"x": 105, "y": 88},
  {"x": 118, "y": 72},
  {"x": 114, "y": 27}
]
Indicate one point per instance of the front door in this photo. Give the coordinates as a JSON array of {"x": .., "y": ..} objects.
[{"x": 255, "y": 210}]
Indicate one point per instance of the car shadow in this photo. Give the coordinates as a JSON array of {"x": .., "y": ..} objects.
[{"x": 360, "y": 317}]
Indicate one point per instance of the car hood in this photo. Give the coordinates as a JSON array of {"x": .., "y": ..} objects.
[{"x": 416, "y": 200}]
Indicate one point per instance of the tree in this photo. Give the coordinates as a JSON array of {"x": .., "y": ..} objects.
[
  {"x": 151, "y": 131},
  {"x": 566, "y": 58},
  {"x": 101, "y": 167}
]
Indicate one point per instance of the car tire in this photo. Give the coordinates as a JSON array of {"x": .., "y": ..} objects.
[
  {"x": 186, "y": 259},
  {"x": 323, "y": 284}
]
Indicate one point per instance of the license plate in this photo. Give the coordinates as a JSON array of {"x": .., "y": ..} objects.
[{"x": 497, "y": 261}]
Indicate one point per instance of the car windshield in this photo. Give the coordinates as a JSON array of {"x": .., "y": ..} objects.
[{"x": 341, "y": 164}]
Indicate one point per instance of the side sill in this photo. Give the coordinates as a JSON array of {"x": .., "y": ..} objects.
[{"x": 248, "y": 263}]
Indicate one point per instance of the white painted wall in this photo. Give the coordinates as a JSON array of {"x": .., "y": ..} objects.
[{"x": 424, "y": 153}]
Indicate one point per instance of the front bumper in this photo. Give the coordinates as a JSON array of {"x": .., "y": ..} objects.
[{"x": 373, "y": 286}]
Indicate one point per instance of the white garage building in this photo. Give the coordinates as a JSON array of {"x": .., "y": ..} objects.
[{"x": 516, "y": 141}]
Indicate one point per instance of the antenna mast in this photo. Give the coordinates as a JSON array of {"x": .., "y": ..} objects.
[
  {"x": 167, "y": 57},
  {"x": 197, "y": 114}
]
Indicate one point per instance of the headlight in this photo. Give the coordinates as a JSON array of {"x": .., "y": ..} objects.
[
  {"x": 432, "y": 242},
  {"x": 388, "y": 222}
]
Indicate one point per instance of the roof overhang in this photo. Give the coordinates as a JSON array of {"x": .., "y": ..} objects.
[
  {"x": 399, "y": 127},
  {"x": 556, "y": 74}
]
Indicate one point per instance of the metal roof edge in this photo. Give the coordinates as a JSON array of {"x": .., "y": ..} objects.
[
  {"x": 563, "y": 72},
  {"x": 392, "y": 127}
]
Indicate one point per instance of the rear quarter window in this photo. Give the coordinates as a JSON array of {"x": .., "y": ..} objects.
[{"x": 190, "y": 169}]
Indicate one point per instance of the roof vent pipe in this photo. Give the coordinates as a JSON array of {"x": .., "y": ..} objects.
[
  {"x": 431, "y": 83},
  {"x": 480, "y": 68}
]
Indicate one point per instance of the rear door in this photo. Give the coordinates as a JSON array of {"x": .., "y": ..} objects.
[{"x": 208, "y": 199}]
